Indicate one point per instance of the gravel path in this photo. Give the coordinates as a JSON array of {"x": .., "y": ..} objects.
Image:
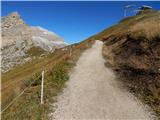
[{"x": 92, "y": 93}]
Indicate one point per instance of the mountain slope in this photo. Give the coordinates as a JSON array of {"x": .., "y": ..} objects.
[
  {"x": 22, "y": 43},
  {"x": 16, "y": 39},
  {"x": 56, "y": 66},
  {"x": 132, "y": 49},
  {"x": 45, "y": 39}
]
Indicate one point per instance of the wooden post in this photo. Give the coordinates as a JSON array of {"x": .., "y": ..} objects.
[
  {"x": 42, "y": 87},
  {"x": 70, "y": 51}
]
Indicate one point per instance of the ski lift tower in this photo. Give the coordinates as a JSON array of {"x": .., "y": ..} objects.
[
  {"x": 143, "y": 8},
  {"x": 126, "y": 8}
]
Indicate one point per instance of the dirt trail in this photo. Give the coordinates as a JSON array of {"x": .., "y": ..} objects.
[{"x": 92, "y": 93}]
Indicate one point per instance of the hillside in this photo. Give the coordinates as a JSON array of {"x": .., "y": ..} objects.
[
  {"x": 132, "y": 49},
  {"x": 28, "y": 76},
  {"x": 22, "y": 43}
]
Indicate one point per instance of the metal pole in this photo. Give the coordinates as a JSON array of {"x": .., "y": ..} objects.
[
  {"x": 42, "y": 87},
  {"x": 126, "y": 8},
  {"x": 125, "y": 12}
]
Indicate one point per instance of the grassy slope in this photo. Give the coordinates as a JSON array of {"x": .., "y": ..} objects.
[
  {"x": 124, "y": 25},
  {"x": 136, "y": 64},
  {"x": 56, "y": 66},
  {"x": 35, "y": 51}
]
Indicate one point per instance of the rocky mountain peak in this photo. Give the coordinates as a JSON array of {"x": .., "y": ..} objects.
[
  {"x": 21, "y": 43},
  {"x": 14, "y": 30},
  {"x": 11, "y": 20},
  {"x": 14, "y": 15}
]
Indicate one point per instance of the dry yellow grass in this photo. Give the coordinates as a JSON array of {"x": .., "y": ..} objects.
[
  {"x": 13, "y": 80},
  {"x": 132, "y": 49}
]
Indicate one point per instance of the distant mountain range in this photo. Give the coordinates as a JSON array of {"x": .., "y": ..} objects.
[{"x": 22, "y": 43}]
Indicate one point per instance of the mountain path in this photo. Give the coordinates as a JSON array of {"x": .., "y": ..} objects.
[{"x": 92, "y": 93}]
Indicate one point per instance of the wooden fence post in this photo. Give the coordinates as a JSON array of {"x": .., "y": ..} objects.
[{"x": 42, "y": 87}]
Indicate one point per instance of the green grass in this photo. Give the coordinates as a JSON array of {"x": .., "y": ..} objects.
[
  {"x": 35, "y": 51},
  {"x": 27, "y": 106}
]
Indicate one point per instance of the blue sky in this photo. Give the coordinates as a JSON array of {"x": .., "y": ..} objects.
[{"x": 74, "y": 21}]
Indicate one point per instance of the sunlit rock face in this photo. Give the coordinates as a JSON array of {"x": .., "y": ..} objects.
[
  {"x": 46, "y": 39},
  {"x": 19, "y": 41}
]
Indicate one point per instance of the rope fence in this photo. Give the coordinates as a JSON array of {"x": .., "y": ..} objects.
[
  {"x": 20, "y": 93},
  {"x": 32, "y": 82}
]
